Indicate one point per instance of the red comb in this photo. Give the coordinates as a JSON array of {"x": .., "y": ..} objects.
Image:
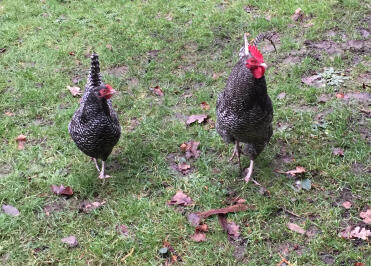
[
  {"x": 108, "y": 87},
  {"x": 256, "y": 53}
]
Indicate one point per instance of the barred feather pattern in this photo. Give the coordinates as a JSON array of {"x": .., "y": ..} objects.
[
  {"x": 258, "y": 39},
  {"x": 244, "y": 110},
  {"x": 95, "y": 126}
]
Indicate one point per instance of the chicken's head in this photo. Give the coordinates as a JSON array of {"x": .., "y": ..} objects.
[
  {"x": 256, "y": 62},
  {"x": 106, "y": 91}
]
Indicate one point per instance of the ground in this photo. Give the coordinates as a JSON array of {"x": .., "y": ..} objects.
[{"x": 319, "y": 82}]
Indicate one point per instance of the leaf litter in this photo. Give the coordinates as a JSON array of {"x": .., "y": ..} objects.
[
  {"x": 199, "y": 118},
  {"x": 75, "y": 91},
  {"x": 180, "y": 198},
  {"x": 190, "y": 149},
  {"x": 88, "y": 206},
  {"x": 21, "y": 140},
  {"x": 61, "y": 190},
  {"x": 71, "y": 241}
]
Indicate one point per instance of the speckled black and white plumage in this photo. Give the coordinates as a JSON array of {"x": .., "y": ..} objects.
[
  {"x": 95, "y": 127},
  {"x": 244, "y": 110}
]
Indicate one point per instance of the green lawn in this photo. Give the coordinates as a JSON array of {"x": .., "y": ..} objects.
[{"x": 45, "y": 47}]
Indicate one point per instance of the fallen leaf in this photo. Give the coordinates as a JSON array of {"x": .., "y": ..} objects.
[
  {"x": 194, "y": 219},
  {"x": 340, "y": 95},
  {"x": 202, "y": 228},
  {"x": 191, "y": 149},
  {"x": 357, "y": 232},
  {"x": 21, "y": 140},
  {"x": 75, "y": 91},
  {"x": 229, "y": 209},
  {"x": 61, "y": 190},
  {"x": 122, "y": 229},
  {"x": 158, "y": 91},
  {"x": 366, "y": 216},
  {"x": 281, "y": 96},
  {"x": 347, "y": 204},
  {"x": 297, "y": 170},
  {"x": 72, "y": 53},
  {"x": 88, "y": 206},
  {"x": 296, "y": 228},
  {"x": 298, "y": 15},
  {"x": 10, "y": 210},
  {"x": 359, "y": 264},
  {"x": 180, "y": 199},
  {"x": 205, "y": 106},
  {"x": 231, "y": 228},
  {"x": 199, "y": 236},
  {"x": 109, "y": 46},
  {"x": 71, "y": 241},
  {"x": 184, "y": 168},
  {"x": 7, "y": 113},
  {"x": 193, "y": 118},
  {"x": 314, "y": 81},
  {"x": 338, "y": 152}
]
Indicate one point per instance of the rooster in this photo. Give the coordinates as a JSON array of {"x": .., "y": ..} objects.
[
  {"x": 94, "y": 126},
  {"x": 244, "y": 110}
]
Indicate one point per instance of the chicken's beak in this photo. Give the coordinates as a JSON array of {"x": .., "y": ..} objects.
[{"x": 264, "y": 65}]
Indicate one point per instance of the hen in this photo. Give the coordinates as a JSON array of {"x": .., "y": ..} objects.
[
  {"x": 94, "y": 126},
  {"x": 244, "y": 110}
]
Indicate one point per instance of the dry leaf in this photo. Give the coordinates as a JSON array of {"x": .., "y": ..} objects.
[
  {"x": 358, "y": 232},
  {"x": 10, "y": 210},
  {"x": 158, "y": 91},
  {"x": 338, "y": 152},
  {"x": 191, "y": 149},
  {"x": 180, "y": 199},
  {"x": 75, "y": 91},
  {"x": 347, "y": 204},
  {"x": 298, "y": 15},
  {"x": 359, "y": 264},
  {"x": 21, "y": 140},
  {"x": 366, "y": 216},
  {"x": 70, "y": 241},
  {"x": 297, "y": 170},
  {"x": 183, "y": 147},
  {"x": 61, "y": 190},
  {"x": 231, "y": 228},
  {"x": 199, "y": 236},
  {"x": 184, "y": 168},
  {"x": 315, "y": 81},
  {"x": 193, "y": 118},
  {"x": 205, "y": 106},
  {"x": 87, "y": 206},
  {"x": 72, "y": 53},
  {"x": 202, "y": 228},
  {"x": 340, "y": 95},
  {"x": 296, "y": 228},
  {"x": 194, "y": 219}
]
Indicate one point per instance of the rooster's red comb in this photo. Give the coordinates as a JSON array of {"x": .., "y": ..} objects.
[
  {"x": 256, "y": 53},
  {"x": 108, "y": 86}
]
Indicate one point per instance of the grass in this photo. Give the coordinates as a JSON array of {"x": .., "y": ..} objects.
[{"x": 195, "y": 39}]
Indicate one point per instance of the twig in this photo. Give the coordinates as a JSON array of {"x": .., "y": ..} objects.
[
  {"x": 284, "y": 260},
  {"x": 128, "y": 255}
]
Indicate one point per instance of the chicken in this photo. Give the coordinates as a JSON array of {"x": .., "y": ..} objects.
[
  {"x": 244, "y": 110},
  {"x": 95, "y": 127}
]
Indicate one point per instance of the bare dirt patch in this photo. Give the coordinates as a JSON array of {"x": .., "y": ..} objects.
[{"x": 118, "y": 72}]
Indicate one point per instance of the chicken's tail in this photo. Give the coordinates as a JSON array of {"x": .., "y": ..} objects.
[
  {"x": 264, "y": 36},
  {"x": 94, "y": 78}
]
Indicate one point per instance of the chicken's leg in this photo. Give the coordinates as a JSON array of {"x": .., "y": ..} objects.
[
  {"x": 249, "y": 173},
  {"x": 101, "y": 174},
  {"x": 236, "y": 151},
  {"x": 96, "y": 164}
]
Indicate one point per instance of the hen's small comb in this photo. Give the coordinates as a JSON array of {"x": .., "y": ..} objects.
[
  {"x": 256, "y": 53},
  {"x": 108, "y": 87}
]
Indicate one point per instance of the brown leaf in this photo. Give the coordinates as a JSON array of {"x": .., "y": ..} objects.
[
  {"x": 71, "y": 241},
  {"x": 194, "y": 219},
  {"x": 296, "y": 228},
  {"x": 122, "y": 229},
  {"x": 232, "y": 208},
  {"x": 109, "y": 46},
  {"x": 199, "y": 118},
  {"x": 357, "y": 232},
  {"x": 338, "y": 152},
  {"x": 88, "y": 206},
  {"x": 180, "y": 199},
  {"x": 230, "y": 228},
  {"x": 297, "y": 170},
  {"x": 347, "y": 204},
  {"x": 205, "y": 106},
  {"x": 10, "y": 210},
  {"x": 359, "y": 264},
  {"x": 158, "y": 91},
  {"x": 72, "y": 53},
  {"x": 191, "y": 149},
  {"x": 75, "y": 91},
  {"x": 366, "y": 216},
  {"x": 202, "y": 228},
  {"x": 199, "y": 236},
  {"x": 298, "y": 15},
  {"x": 184, "y": 168},
  {"x": 340, "y": 95},
  {"x": 21, "y": 140},
  {"x": 314, "y": 81},
  {"x": 61, "y": 190}
]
